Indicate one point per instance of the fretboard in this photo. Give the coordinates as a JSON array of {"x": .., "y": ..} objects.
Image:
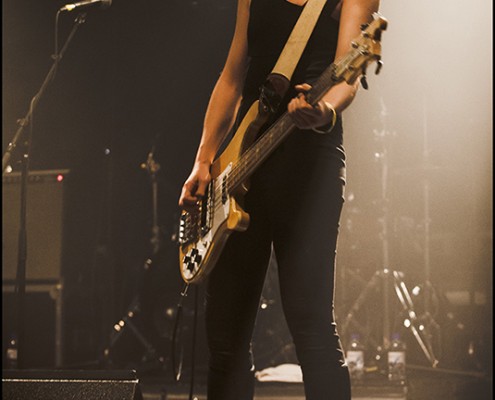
[{"x": 259, "y": 151}]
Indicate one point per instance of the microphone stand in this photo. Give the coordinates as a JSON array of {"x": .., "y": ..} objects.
[{"x": 20, "y": 285}]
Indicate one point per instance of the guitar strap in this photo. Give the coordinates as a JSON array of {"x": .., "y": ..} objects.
[{"x": 278, "y": 80}]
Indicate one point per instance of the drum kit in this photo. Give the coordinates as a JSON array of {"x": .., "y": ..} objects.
[
  {"x": 142, "y": 338},
  {"x": 386, "y": 296}
]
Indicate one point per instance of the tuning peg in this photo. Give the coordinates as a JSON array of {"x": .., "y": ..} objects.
[
  {"x": 364, "y": 26},
  {"x": 364, "y": 82},
  {"x": 379, "y": 65}
]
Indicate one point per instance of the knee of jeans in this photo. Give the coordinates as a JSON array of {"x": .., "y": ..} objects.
[
  {"x": 230, "y": 360},
  {"x": 318, "y": 347},
  {"x": 311, "y": 330}
]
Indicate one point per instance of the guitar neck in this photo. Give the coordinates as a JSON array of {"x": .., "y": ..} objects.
[{"x": 271, "y": 139}]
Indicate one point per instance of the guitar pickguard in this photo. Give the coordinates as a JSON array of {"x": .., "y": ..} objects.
[{"x": 202, "y": 234}]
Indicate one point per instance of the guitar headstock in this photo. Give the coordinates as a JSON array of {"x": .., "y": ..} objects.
[{"x": 365, "y": 49}]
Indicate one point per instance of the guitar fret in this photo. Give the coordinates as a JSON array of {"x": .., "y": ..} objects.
[{"x": 266, "y": 144}]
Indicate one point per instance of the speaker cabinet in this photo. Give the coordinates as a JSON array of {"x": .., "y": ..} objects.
[
  {"x": 44, "y": 224},
  {"x": 70, "y": 384},
  {"x": 43, "y": 330}
]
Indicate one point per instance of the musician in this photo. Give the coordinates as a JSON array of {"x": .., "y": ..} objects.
[{"x": 294, "y": 200}]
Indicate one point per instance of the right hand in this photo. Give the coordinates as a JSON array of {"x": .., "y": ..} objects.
[{"x": 195, "y": 186}]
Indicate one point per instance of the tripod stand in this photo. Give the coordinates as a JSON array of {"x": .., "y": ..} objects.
[
  {"x": 129, "y": 322},
  {"x": 427, "y": 169},
  {"x": 386, "y": 279}
]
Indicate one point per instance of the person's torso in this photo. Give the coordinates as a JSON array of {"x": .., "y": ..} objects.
[{"x": 270, "y": 24}]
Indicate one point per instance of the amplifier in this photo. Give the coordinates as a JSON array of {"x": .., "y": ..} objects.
[
  {"x": 44, "y": 224},
  {"x": 70, "y": 384},
  {"x": 43, "y": 327}
]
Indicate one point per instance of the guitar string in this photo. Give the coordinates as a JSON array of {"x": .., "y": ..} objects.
[
  {"x": 244, "y": 167},
  {"x": 248, "y": 161}
]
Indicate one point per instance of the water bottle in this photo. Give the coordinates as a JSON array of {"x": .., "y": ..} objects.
[
  {"x": 397, "y": 360},
  {"x": 355, "y": 358}
]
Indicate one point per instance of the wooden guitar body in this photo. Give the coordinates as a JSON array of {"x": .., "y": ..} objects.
[{"x": 198, "y": 256}]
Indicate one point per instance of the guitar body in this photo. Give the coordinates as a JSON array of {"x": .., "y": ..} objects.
[{"x": 224, "y": 214}]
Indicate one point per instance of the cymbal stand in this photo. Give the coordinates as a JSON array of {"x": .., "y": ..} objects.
[
  {"x": 427, "y": 315},
  {"x": 151, "y": 353},
  {"x": 386, "y": 279}
]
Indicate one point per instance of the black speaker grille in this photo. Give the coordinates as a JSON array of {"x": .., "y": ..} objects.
[{"x": 74, "y": 385}]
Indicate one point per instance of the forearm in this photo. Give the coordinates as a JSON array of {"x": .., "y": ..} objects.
[
  {"x": 226, "y": 96},
  {"x": 341, "y": 96},
  {"x": 354, "y": 13},
  {"x": 219, "y": 119}
]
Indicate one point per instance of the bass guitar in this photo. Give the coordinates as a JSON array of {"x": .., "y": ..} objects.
[{"x": 203, "y": 233}]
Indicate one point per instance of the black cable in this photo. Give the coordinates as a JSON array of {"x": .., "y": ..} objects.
[
  {"x": 177, "y": 373},
  {"x": 193, "y": 352}
]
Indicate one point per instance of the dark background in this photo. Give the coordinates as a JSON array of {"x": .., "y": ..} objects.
[
  {"x": 138, "y": 76},
  {"x": 135, "y": 77}
]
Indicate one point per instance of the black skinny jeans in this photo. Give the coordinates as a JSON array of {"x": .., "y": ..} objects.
[{"x": 294, "y": 202}]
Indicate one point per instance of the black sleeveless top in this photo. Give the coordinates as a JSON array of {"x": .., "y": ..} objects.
[{"x": 270, "y": 24}]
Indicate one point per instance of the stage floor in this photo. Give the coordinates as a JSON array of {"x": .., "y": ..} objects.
[{"x": 420, "y": 385}]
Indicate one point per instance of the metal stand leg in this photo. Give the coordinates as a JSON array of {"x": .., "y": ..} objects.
[
  {"x": 382, "y": 280},
  {"x": 386, "y": 279},
  {"x": 128, "y": 322},
  {"x": 412, "y": 322}
]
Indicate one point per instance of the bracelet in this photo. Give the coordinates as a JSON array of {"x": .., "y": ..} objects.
[{"x": 331, "y": 125}]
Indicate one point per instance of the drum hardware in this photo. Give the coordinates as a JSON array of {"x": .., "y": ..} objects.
[
  {"x": 389, "y": 282},
  {"x": 134, "y": 320}
]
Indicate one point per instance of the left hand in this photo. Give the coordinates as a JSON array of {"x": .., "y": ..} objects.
[{"x": 306, "y": 116}]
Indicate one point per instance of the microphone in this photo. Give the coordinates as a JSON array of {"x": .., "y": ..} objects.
[{"x": 83, "y": 4}]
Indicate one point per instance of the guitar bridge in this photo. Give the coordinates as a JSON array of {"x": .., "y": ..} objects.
[
  {"x": 188, "y": 232},
  {"x": 196, "y": 224},
  {"x": 207, "y": 209}
]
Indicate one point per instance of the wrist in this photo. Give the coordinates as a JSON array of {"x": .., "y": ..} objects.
[{"x": 328, "y": 127}]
